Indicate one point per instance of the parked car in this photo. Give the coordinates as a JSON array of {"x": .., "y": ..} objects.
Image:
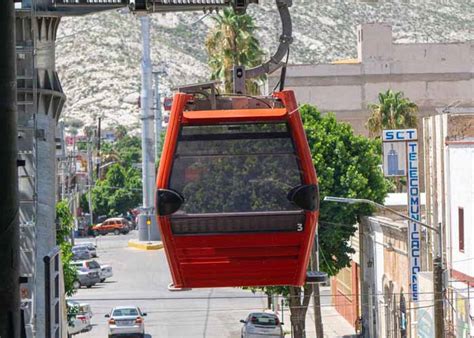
[
  {"x": 86, "y": 311},
  {"x": 90, "y": 265},
  {"x": 262, "y": 324},
  {"x": 105, "y": 272},
  {"x": 86, "y": 277},
  {"x": 90, "y": 246},
  {"x": 80, "y": 315},
  {"x": 126, "y": 320},
  {"x": 112, "y": 225},
  {"x": 80, "y": 253},
  {"x": 131, "y": 224},
  {"x": 76, "y": 324}
]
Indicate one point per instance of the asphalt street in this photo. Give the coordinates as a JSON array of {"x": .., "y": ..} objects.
[{"x": 141, "y": 278}]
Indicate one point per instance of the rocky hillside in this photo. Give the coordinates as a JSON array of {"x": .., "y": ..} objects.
[{"x": 98, "y": 56}]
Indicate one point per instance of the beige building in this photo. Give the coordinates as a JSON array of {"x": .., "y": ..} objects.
[
  {"x": 432, "y": 75},
  {"x": 449, "y": 168}
]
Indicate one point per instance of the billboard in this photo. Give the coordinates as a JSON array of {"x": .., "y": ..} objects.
[{"x": 401, "y": 159}]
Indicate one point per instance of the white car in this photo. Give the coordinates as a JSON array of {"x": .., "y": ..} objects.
[
  {"x": 105, "y": 272},
  {"x": 262, "y": 325},
  {"x": 126, "y": 320},
  {"x": 76, "y": 325},
  {"x": 81, "y": 320}
]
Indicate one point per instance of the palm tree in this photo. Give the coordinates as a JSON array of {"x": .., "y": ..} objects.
[
  {"x": 394, "y": 111},
  {"x": 232, "y": 42}
]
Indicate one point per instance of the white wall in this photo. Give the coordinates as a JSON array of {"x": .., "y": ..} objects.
[{"x": 461, "y": 192}]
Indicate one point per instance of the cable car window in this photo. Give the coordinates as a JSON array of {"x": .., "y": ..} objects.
[{"x": 235, "y": 168}]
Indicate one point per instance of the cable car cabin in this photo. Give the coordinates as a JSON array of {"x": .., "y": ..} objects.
[{"x": 237, "y": 197}]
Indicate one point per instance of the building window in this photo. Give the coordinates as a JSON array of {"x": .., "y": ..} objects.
[{"x": 461, "y": 228}]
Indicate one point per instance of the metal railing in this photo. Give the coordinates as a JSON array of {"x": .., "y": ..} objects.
[{"x": 52, "y": 275}]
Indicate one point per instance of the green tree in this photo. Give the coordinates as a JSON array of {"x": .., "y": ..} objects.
[
  {"x": 119, "y": 187},
  {"x": 232, "y": 42},
  {"x": 119, "y": 192},
  {"x": 393, "y": 111},
  {"x": 347, "y": 165},
  {"x": 66, "y": 224},
  {"x": 129, "y": 150},
  {"x": 120, "y": 132}
]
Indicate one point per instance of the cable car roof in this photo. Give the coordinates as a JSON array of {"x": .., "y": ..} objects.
[{"x": 235, "y": 115}]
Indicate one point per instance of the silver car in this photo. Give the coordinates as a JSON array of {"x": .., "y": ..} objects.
[
  {"x": 90, "y": 247},
  {"x": 126, "y": 320},
  {"x": 105, "y": 272},
  {"x": 262, "y": 325},
  {"x": 81, "y": 253},
  {"x": 86, "y": 277}
]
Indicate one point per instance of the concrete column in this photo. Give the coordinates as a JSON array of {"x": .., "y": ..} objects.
[
  {"x": 40, "y": 100},
  {"x": 50, "y": 101},
  {"x": 147, "y": 231},
  {"x": 45, "y": 213},
  {"x": 9, "y": 231}
]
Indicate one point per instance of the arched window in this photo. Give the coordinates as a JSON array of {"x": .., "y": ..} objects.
[{"x": 403, "y": 316}]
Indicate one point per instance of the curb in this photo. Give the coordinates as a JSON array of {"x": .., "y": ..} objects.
[{"x": 145, "y": 245}]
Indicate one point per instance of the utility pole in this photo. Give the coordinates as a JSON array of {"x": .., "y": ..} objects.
[
  {"x": 318, "y": 320},
  {"x": 147, "y": 229},
  {"x": 98, "y": 149},
  {"x": 9, "y": 227},
  {"x": 90, "y": 180},
  {"x": 438, "y": 287},
  {"x": 158, "y": 114}
]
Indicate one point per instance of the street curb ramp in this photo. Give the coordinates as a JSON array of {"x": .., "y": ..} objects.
[{"x": 142, "y": 245}]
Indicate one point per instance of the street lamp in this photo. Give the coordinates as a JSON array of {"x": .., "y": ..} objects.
[
  {"x": 381, "y": 206},
  {"x": 437, "y": 262}
]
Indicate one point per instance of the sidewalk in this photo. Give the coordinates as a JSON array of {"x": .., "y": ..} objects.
[{"x": 334, "y": 324}]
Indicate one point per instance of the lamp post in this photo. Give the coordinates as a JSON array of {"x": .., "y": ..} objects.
[
  {"x": 158, "y": 114},
  {"x": 438, "y": 286},
  {"x": 148, "y": 140}
]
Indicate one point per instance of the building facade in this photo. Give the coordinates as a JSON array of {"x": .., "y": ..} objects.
[
  {"x": 430, "y": 74},
  {"x": 449, "y": 167}
]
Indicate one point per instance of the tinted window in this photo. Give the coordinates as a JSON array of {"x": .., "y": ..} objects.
[
  {"x": 235, "y": 168},
  {"x": 93, "y": 265},
  {"x": 263, "y": 319},
  {"x": 125, "y": 312}
]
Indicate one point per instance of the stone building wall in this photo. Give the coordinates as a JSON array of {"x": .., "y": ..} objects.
[{"x": 433, "y": 75}]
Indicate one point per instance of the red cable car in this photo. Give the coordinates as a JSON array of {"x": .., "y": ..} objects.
[{"x": 237, "y": 197}]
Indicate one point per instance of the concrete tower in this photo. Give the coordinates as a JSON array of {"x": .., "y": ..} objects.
[{"x": 40, "y": 101}]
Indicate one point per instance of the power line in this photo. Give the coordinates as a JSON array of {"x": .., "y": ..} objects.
[
  {"x": 247, "y": 297},
  {"x": 233, "y": 309},
  {"x": 337, "y": 224}
]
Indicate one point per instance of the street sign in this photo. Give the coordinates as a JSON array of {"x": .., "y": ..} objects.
[
  {"x": 167, "y": 103},
  {"x": 401, "y": 159}
]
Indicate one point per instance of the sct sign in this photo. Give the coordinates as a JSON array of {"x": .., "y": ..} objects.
[
  {"x": 395, "y": 151},
  {"x": 401, "y": 159},
  {"x": 398, "y": 135}
]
